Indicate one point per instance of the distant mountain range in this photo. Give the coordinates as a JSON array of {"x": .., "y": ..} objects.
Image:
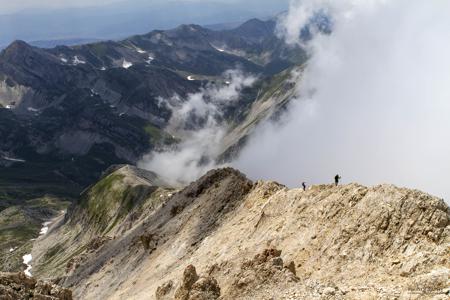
[
  {"x": 70, "y": 112},
  {"x": 124, "y": 18},
  {"x": 80, "y": 41}
]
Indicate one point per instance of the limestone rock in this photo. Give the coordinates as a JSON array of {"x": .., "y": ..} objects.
[
  {"x": 163, "y": 291},
  {"x": 15, "y": 286},
  {"x": 206, "y": 288},
  {"x": 195, "y": 288}
]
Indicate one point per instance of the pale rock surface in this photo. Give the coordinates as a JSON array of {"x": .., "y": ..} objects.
[{"x": 259, "y": 241}]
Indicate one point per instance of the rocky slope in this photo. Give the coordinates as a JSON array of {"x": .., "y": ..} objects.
[
  {"x": 18, "y": 286},
  {"x": 223, "y": 236}
]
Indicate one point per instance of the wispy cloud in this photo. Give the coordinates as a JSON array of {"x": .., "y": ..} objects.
[{"x": 198, "y": 120}]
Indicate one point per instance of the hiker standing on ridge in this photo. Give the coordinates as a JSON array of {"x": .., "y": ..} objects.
[
  {"x": 304, "y": 186},
  {"x": 336, "y": 179}
]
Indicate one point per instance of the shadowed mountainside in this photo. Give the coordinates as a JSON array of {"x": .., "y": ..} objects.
[{"x": 66, "y": 110}]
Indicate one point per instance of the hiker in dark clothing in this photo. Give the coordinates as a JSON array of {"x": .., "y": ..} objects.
[
  {"x": 336, "y": 179},
  {"x": 304, "y": 185}
]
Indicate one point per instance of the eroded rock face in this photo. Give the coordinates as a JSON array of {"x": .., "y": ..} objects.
[
  {"x": 15, "y": 286},
  {"x": 192, "y": 287},
  {"x": 206, "y": 288},
  {"x": 264, "y": 268},
  {"x": 163, "y": 291},
  {"x": 189, "y": 278}
]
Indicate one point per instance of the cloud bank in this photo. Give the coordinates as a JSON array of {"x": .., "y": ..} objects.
[
  {"x": 374, "y": 103},
  {"x": 200, "y": 122}
]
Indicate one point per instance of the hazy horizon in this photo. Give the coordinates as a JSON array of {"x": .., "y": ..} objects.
[{"x": 113, "y": 19}]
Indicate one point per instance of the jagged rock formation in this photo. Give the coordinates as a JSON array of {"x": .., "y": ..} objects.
[
  {"x": 192, "y": 287},
  {"x": 14, "y": 286},
  {"x": 255, "y": 241},
  {"x": 265, "y": 269}
]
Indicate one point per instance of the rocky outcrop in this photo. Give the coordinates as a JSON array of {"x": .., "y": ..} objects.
[
  {"x": 191, "y": 287},
  {"x": 189, "y": 278},
  {"x": 14, "y": 286},
  {"x": 266, "y": 268},
  {"x": 261, "y": 241}
]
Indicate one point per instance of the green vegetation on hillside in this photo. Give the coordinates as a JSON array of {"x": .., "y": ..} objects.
[
  {"x": 159, "y": 137},
  {"x": 111, "y": 199},
  {"x": 21, "y": 224}
]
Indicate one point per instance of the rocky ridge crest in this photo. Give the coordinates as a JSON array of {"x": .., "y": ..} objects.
[{"x": 261, "y": 240}]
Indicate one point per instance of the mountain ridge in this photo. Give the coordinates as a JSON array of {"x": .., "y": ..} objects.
[{"x": 350, "y": 240}]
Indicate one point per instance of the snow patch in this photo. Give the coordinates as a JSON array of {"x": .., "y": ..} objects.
[
  {"x": 103, "y": 69},
  {"x": 32, "y": 109},
  {"x": 27, "y": 258},
  {"x": 77, "y": 61},
  {"x": 190, "y": 78},
  {"x": 9, "y": 106},
  {"x": 13, "y": 159},
  {"x": 93, "y": 93},
  {"x": 64, "y": 60},
  {"x": 126, "y": 64},
  {"x": 12, "y": 249},
  {"x": 139, "y": 50},
  {"x": 150, "y": 59},
  {"x": 44, "y": 229},
  {"x": 218, "y": 49}
]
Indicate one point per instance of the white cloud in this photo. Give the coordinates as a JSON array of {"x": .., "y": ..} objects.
[
  {"x": 201, "y": 141},
  {"x": 380, "y": 102}
]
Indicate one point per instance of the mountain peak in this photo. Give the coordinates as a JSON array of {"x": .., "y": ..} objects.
[
  {"x": 18, "y": 46},
  {"x": 18, "y": 51},
  {"x": 187, "y": 31},
  {"x": 256, "y": 28}
]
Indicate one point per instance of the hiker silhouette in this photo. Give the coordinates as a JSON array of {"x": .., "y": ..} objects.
[{"x": 336, "y": 179}]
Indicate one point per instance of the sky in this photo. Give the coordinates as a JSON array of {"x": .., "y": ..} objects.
[
  {"x": 43, "y": 20},
  {"x": 8, "y": 6},
  {"x": 374, "y": 100}
]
